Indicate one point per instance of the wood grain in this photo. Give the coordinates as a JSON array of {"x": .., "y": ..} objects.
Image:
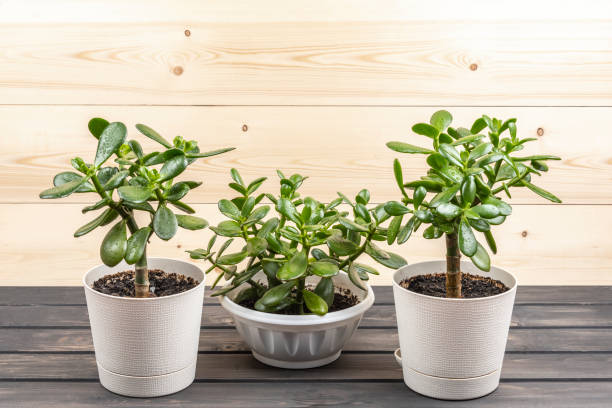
[
  {"x": 562, "y": 245},
  {"x": 559, "y": 60},
  {"x": 339, "y": 148}
]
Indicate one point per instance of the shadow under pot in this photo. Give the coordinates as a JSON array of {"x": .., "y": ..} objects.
[
  {"x": 451, "y": 348},
  {"x": 146, "y": 347},
  {"x": 298, "y": 341}
]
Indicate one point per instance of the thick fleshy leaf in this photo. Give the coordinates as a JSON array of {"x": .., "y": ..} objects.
[
  {"x": 165, "y": 223},
  {"x": 210, "y": 154},
  {"x": 68, "y": 176},
  {"x": 325, "y": 290},
  {"x": 441, "y": 120},
  {"x": 96, "y": 126},
  {"x": 486, "y": 210},
  {"x": 63, "y": 190},
  {"x": 425, "y": 129},
  {"x": 405, "y": 232},
  {"x": 275, "y": 295},
  {"x": 444, "y": 196},
  {"x": 481, "y": 259},
  {"x": 229, "y": 209},
  {"x": 232, "y": 259},
  {"x": 394, "y": 208},
  {"x": 541, "y": 192},
  {"x": 503, "y": 207},
  {"x": 151, "y": 134},
  {"x": 402, "y": 147},
  {"x": 294, "y": 268},
  {"x": 177, "y": 191},
  {"x": 111, "y": 138},
  {"x": 363, "y": 269},
  {"x": 324, "y": 269},
  {"x": 352, "y": 226},
  {"x": 257, "y": 214},
  {"x": 136, "y": 148},
  {"x": 341, "y": 246},
  {"x": 256, "y": 246},
  {"x": 388, "y": 259},
  {"x": 191, "y": 222},
  {"x": 468, "y": 191},
  {"x": 314, "y": 302},
  {"x": 136, "y": 245},
  {"x": 491, "y": 241},
  {"x": 448, "y": 210},
  {"x": 467, "y": 242},
  {"x": 419, "y": 196},
  {"x": 134, "y": 194},
  {"x": 96, "y": 222},
  {"x": 95, "y": 206},
  {"x": 116, "y": 180},
  {"x": 451, "y": 154},
  {"x": 173, "y": 167},
  {"x": 268, "y": 226},
  {"x": 437, "y": 161},
  {"x": 228, "y": 229},
  {"x": 353, "y": 274},
  {"x": 114, "y": 244},
  {"x": 478, "y": 125},
  {"x": 480, "y": 150},
  {"x": 394, "y": 227},
  {"x": 286, "y": 208}
]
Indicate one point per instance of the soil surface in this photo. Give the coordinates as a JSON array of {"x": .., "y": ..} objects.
[
  {"x": 342, "y": 300},
  {"x": 161, "y": 284},
  {"x": 472, "y": 286}
]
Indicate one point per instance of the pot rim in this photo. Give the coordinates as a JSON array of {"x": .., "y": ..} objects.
[
  {"x": 299, "y": 320},
  {"x": 151, "y": 299},
  {"x": 444, "y": 299}
]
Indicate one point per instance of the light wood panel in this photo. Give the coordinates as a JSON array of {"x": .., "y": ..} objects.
[
  {"x": 562, "y": 245},
  {"x": 66, "y": 54},
  {"x": 340, "y": 148}
]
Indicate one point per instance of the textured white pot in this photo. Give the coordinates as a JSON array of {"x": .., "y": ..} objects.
[
  {"x": 290, "y": 341},
  {"x": 146, "y": 347},
  {"x": 452, "y": 348}
]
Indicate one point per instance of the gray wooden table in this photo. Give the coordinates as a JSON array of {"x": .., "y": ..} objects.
[{"x": 559, "y": 354}]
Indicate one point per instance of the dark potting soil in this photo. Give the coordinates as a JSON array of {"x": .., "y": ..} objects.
[
  {"x": 342, "y": 300},
  {"x": 472, "y": 286},
  {"x": 160, "y": 284}
]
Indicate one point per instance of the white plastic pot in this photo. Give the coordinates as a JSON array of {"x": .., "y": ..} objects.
[
  {"x": 146, "y": 347},
  {"x": 452, "y": 348},
  {"x": 306, "y": 341}
]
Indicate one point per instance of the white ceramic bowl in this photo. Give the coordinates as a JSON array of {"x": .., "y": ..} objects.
[
  {"x": 290, "y": 341},
  {"x": 146, "y": 347}
]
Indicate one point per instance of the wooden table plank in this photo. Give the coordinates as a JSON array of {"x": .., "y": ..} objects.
[
  {"x": 310, "y": 394},
  {"x": 377, "y": 316},
  {"x": 364, "y": 340},
  {"x": 73, "y": 295},
  {"x": 356, "y": 367}
]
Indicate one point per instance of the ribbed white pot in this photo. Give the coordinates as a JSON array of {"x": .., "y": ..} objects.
[
  {"x": 290, "y": 341},
  {"x": 146, "y": 347},
  {"x": 452, "y": 348}
]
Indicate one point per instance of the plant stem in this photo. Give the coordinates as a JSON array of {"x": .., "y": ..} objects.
[{"x": 453, "y": 266}]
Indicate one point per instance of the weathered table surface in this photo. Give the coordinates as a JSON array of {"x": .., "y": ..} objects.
[{"x": 559, "y": 354}]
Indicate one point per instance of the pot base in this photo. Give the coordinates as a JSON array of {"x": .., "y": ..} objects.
[
  {"x": 451, "y": 388},
  {"x": 144, "y": 387},
  {"x": 296, "y": 365}
]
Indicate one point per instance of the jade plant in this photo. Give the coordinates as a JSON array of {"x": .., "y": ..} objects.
[
  {"x": 468, "y": 171},
  {"x": 291, "y": 239},
  {"x": 140, "y": 181}
]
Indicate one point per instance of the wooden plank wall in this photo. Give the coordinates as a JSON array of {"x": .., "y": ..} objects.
[{"x": 312, "y": 87}]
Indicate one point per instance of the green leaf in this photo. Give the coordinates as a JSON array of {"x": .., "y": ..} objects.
[
  {"x": 286, "y": 208},
  {"x": 388, "y": 259},
  {"x": 432, "y": 232},
  {"x": 466, "y": 140},
  {"x": 236, "y": 176},
  {"x": 275, "y": 295},
  {"x": 229, "y": 209},
  {"x": 258, "y": 214},
  {"x": 536, "y": 157},
  {"x": 136, "y": 245},
  {"x": 114, "y": 244},
  {"x": 352, "y": 226},
  {"x": 325, "y": 289},
  {"x": 425, "y": 130},
  {"x": 441, "y": 120},
  {"x": 139, "y": 206},
  {"x": 151, "y": 134},
  {"x": 437, "y": 161},
  {"x": 256, "y": 246},
  {"x": 479, "y": 151},
  {"x": 491, "y": 241},
  {"x": 95, "y": 206},
  {"x": 173, "y": 167},
  {"x": 68, "y": 176},
  {"x": 177, "y": 191},
  {"x": 424, "y": 215},
  {"x": 394, "y": 208},
  {"x": 314, "y": 302},
  {"x": 451, "y": 154},
  {"x": 134, "y": 194},
  {"x": 468, "y": 191},
  {"x": 116, "y": 180},
  {"x": 136, "y": 148},
  {"x": 452, "y": 174},
  {"x": 419, "y": 196},
  {"x": 504, "y": 208},
  {"x": 341, "y": 246},
  {"x": 191, "y": 222},
  {"x": 448, "y": 210},
  {"x": 394, "y": 227},
  {"x": 63, "y": 190},
  {"x": 324, "y": 269},
  {"x": 353, "y": 274},
  {"x": 467, "y": 242},
  {"x": 96, "y": 222},
  {"x": 227, "y": 229},
  {"x": 481, "y": 258},
  {"x": 232, "y": 259},
  {"x": 110, "y": 140},
  {"x": 541, "y": 192},
  {"x": 486, "y": 210},
  {"x": 478, "y": 125},
  {"x": 430, "y": 185},
  {"x": 479, "y": 224},
  {"x": 406, "y": 231},
  {"x": 444, "y": 196},
  {"x": 402, "y": 147},
  {"x": 268, "y": 226},
  {"x": 364, "y": 269},
  {"x": 209, "y": 154},
  {"x": 183, "y": 207},
  {"x": 247, "y": 206},
  {"x": 165, "y": 223},
  {"x": 294, "y": 268},
  {"x": 96, "y": 126}
]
